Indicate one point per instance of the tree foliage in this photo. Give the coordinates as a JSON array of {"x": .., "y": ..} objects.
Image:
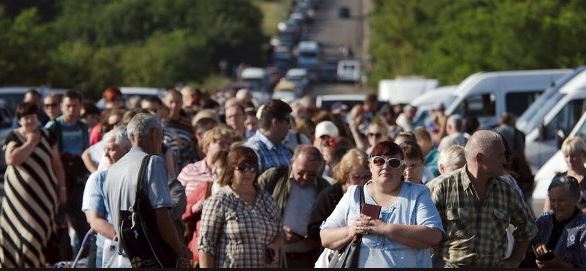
[
  {"x": 89, "y": 45},
  {"x": 451, "y": 39}
]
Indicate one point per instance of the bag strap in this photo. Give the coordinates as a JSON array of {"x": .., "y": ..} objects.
[
  {"x": 360, "y": 191},
  {"x": 140, "y": 180}
]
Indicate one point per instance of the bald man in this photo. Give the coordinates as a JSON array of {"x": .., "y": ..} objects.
[{"x": 477, "y": 205}]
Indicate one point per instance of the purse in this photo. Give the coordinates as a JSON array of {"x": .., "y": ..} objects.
[
  {"x": 139, "y": 236},
  {"x": 347, "y": 257}
]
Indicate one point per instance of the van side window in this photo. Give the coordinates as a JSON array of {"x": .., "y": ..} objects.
[
  {"x": 565, "y": 119},
  {"x": 478, "y": 106},
  {"x": 517, "y": 102}
]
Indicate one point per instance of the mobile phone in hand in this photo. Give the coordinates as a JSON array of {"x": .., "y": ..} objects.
[
  {"x": 371, "y": 210},
  {"x": 545, "y": 257}
]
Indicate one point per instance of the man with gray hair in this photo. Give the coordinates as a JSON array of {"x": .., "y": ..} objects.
[
  {"x": 476, "y": 206},
  {"x": 451, "y": 159},
  {"x": 145, "y": 134},
  {"x": 116, "y": 145},
  {"x": 295, "y": 189},
  {"x": 454, "y": 129}
]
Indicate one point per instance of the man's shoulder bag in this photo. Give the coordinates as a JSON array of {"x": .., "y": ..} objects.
[{"x": 139, "y": 236}]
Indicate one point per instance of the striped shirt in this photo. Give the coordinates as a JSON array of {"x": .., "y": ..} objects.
[
  {"x": 269, "y": 155},
  {"x": 236, "y": 233},
  {"x": 476, "y": 231}
]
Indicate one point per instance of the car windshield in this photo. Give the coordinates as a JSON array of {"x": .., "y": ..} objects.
[
  {"x": 535, "y": 114},
  {"x": 12, "y": 99}
]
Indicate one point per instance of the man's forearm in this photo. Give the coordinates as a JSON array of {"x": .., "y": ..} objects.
[{"x": 100, "y": 225}]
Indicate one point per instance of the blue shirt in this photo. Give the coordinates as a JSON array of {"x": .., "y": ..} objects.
[
  {"x": 431, "y": 161},
  {"x": 93, "y": 200},
  {"x": 269, "y": 154},
  {"x": 72, "y": 136},
  {"x": 413, "y": 206},
  {"x": 121, "y": 184}
]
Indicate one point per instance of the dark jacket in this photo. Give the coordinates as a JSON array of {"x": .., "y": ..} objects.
[
  {"x": 322, "y": 208},
  {"x": 276, "y": 181}
]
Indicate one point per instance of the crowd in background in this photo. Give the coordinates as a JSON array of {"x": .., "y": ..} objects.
[{"x": 235, "y": 183}]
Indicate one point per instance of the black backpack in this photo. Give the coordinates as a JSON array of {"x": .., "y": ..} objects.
[{"x": 139, "y": 236}]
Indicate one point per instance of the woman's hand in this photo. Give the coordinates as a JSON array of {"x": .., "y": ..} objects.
[
  {"x": 33, "y": 137},
  {"x": 555, "y": 262},
  {"x": 197, "y": 207},
  {"x": 377, "y": 226},
  {"x": 276, "y": 246},
  {"x": 361, "y": 225}
]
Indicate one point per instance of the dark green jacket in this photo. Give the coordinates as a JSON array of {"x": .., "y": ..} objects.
[{"x": 276, "y": 181}]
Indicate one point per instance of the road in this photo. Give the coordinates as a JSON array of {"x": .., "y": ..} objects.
[{"x": 333, "y": 31}]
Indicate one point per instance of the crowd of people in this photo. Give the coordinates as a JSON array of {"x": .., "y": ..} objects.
[{"x": 235, "y": 183}]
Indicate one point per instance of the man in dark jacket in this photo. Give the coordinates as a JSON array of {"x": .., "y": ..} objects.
[{"x": 295, "y": 189}]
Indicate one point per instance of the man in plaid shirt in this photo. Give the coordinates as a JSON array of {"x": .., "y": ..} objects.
[
  {"x": 476, "y": 206},
  {"x": 268, "y": 141}
]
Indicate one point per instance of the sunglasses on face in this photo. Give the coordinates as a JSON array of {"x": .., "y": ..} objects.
[
  {"x": 380, "y": 161},
  {"x": 246, "y": 168},
  {"x": 375, "y": 135}
]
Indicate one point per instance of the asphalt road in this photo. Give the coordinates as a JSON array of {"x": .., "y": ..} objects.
[{"x": 333, "y": 31}]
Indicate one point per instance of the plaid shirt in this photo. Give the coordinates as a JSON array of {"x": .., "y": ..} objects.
[
  {"x": 475, "y": 231},
  {"x": 269, "y": 154},
  {"x": 236, "y": 233}
]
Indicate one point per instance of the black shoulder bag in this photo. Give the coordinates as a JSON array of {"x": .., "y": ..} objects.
[
  {"x": 347, "y": 257},
  {"x": 139, "y": 235}
]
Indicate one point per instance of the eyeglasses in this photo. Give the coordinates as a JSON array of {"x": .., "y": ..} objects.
[
  {"x": 246, "y": 168},
  {"x": 379, "y": 161},
  {"x": 376, "y": 135},
  {"x": 50, "y": 105}
]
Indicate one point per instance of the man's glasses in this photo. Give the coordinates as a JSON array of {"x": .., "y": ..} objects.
[
  {"x": 375, "y": 135},
  {"x": 49, "y": 105},
  {"x": 379, "y": 161},
  {"x": 246, "y": 168}
]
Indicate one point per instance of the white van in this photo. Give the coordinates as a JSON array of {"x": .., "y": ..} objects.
[
  {"x": 404, "y": 89},
  {"x": 555, "y": 164},
  {"x": 485, "y": 95},
  {"x": 556, "y": 112},
  {"x": 349, "y": 70},
  {"x": 426, "y": 101}
]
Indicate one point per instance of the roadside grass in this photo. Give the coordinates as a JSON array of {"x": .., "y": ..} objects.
[{"x": 273, "y": 12}]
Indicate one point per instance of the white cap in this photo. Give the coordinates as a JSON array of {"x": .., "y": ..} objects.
[{"x": 326, "y": 127}]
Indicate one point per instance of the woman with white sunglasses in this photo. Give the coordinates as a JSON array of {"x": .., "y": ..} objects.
[{"x": 402, "y": 233}]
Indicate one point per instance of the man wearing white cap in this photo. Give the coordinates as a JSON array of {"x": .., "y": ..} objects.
[{"x": 326, "y": 133}]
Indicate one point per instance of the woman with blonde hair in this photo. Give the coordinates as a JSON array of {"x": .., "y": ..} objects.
[
  {"x": 574, "y": 151},
  {"x": 351, "y": 170},
  {"x": 198, "y": 179}
]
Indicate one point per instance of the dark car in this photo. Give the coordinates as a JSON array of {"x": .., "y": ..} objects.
[
  {"x": 344, "y": 12},
  {"x": 329, "y": 70}
]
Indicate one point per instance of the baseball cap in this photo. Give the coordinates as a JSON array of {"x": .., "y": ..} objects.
[{"x": 326, "y": 128}]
